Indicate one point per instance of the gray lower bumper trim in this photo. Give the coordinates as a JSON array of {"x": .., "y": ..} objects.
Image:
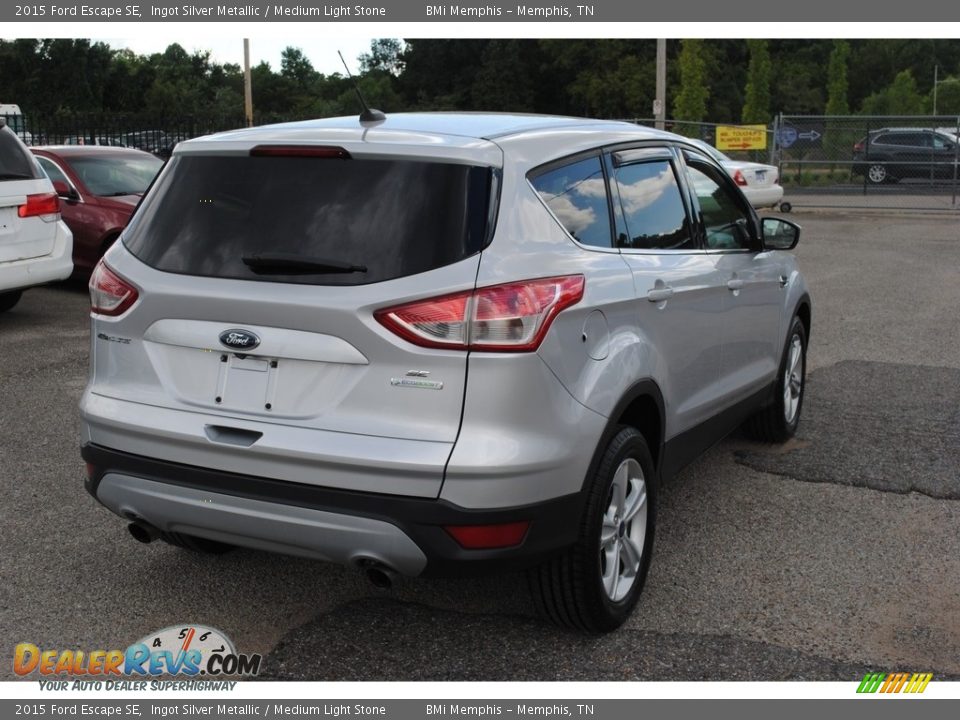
[{"x": 344, "y": 539}]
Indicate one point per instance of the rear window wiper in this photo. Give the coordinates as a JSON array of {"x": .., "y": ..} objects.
[{"x": 289, "y": 264}]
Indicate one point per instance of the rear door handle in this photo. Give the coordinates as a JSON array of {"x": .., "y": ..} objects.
[
  {"x": 659, "y": 294},
  {"x": 735, "y": 284}
]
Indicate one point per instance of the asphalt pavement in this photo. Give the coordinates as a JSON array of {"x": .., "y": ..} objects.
[{"x": 833, "y": 555}]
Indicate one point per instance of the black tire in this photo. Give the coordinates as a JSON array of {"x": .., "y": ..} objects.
[
  {"x": 785, "y": 207},
  {"x": 569, "y": 589},
  {"x": 771, "y": 425},
  {"x": 195, "y": 544},
  {"x": 9, "y": 299}
]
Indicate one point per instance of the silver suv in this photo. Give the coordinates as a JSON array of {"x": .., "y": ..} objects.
[{"x": 437, "y": 344}]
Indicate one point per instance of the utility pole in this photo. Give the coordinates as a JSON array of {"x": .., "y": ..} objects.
[
  {"x": 247, "y": 86},
  {"x": 936, "y": 70},
  {"x": 660, "y": 104}
]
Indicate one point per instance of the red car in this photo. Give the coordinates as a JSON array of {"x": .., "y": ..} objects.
[{"x": 99, "y": 187}]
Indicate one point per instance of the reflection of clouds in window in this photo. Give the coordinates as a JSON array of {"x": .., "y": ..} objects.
[
  {"x": 575, "y": 218},
  {"x": 645, "y": 191}
]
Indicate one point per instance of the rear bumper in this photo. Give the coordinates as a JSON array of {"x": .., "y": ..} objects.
[
  {"x": 343, "y": 526},
  {"x": 58, "y": 265}
]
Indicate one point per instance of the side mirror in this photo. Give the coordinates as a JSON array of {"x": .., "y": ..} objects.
[
  {"x": 64, "y": 190},
  {"x": 779, "y": 234}
]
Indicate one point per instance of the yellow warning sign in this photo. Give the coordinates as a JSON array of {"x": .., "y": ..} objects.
[{"x": 741, "y": 137}]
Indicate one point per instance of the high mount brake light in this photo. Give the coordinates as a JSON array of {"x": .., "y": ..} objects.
[
  {"x": 311, "y": 151},
  {"x": 110, "y": 294},
  {"x": 513, "y": 317}
]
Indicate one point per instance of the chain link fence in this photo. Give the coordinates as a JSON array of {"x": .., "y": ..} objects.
[
  {"x": 856, "y": 162},
  {"x": 157, "y": 135},
  {"x": 869, "y": 162}
]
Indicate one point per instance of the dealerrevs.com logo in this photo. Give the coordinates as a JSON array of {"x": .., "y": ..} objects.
[{"x": 183, "y": 651}]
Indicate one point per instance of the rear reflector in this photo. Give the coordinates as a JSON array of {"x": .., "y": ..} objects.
[
  {"x": 46, "y": 206},
  {"x": 312, "y": 151},
  {"x": 489, "y": 537},
  {"x": 513, "y": 317},
  {"x": 110, "y": 294}
]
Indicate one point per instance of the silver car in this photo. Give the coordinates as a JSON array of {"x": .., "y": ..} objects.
[{"x": 437, "y": 344}]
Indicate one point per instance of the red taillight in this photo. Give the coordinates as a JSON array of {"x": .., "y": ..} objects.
[
  {"x": 91, "y": 471},
  {"x": 858, "y": 147},
  {"x": 489, "y": 537},
  {"x": 110, "y": 294},
  {"x": 513, "y": 317},
  {"x": 739, "y": 179},
  {"x": 46, "y": 206},
  {"x": 313, "y": 151}
]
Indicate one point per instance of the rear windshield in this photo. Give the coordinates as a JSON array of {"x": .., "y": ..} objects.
[
  {"x": 16, "y": 162},
  {"x": 296, "y": 219}
]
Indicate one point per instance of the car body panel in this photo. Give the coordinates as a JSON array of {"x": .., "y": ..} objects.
[
  {"x": 34, "y": 249},
  {"x": 488, "y": 435},
  {"x": 96, "y": 221}
]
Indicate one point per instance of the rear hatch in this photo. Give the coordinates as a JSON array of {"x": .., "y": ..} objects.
[
  {"x": 259, "y": 272},
  {"x": 22, "y": 184}
]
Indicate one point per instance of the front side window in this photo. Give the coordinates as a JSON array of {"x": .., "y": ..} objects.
[
  {"x": 725, "y": 223},
  {"x": 652, "y": 205},
  {"x": 576, "y": 193}
]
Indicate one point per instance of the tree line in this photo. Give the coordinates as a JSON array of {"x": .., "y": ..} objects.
[{"x": 708, "y": 80}]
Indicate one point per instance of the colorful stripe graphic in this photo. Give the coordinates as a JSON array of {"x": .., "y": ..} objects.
[{"x": 894, "y": 682}]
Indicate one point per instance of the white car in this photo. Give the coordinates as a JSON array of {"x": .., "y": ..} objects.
[
  {"x": 758, "y": 182},
  {"x": 36, "y": 247}
]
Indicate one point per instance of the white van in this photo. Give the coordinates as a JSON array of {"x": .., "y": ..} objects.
[{"x": 36, "y": 246}]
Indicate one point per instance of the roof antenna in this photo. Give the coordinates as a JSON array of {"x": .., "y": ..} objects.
[{"x": 369, "y": 115}]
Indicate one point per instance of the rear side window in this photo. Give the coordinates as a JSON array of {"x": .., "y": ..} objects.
[
  {"x": 16, "y": 162},
  {"x": 576, "y": 193},
  {"x": 310, "y": 220},
  {"x": 653, "y": 208}
]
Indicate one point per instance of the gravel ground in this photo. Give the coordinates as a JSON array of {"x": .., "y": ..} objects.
[{"x": 835, "y": 553}]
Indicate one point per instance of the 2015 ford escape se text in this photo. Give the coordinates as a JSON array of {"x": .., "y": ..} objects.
[{"x": 437, "y": 344}]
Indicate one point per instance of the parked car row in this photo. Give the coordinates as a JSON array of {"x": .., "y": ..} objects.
[
  {"x": 156, "y": 142},
  {"x": 303, "y": 356},
  {"x": 62, "y": 207}
]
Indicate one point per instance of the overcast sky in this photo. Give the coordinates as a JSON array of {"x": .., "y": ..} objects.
[{"x": 321, "y": 50}]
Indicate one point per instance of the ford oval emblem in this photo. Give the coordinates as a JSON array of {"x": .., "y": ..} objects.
[{"x": 239, "y": 339}]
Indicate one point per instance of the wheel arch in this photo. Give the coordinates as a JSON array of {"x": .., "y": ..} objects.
[
  {"x": 804, "y": 312},
  {"x": 641, "y": 406}
]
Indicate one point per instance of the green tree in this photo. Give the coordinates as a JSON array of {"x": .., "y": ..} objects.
[
  {"x": 948, "y": 97},
  {"x": 837, "y": 79},
  {"x": 756, "y": 105},
  {"x": 901, "y": 97},
  {"x": 690, "y": 102},
  {"x": 385, "y": 55}
]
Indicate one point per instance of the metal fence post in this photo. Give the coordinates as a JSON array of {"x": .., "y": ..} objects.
[{"x": 956, "y": 159}]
